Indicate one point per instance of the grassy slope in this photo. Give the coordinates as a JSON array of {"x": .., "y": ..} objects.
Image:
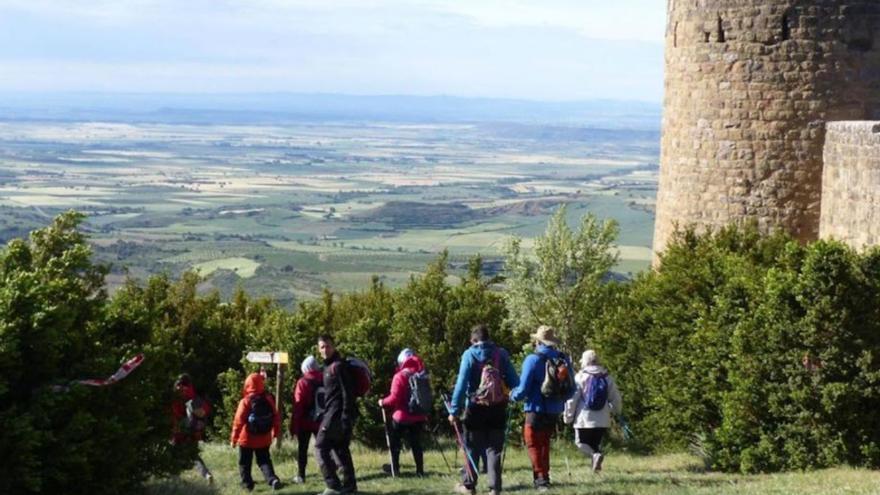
[{"x": 623, "y": 474}]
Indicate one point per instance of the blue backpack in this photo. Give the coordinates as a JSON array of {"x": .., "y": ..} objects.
[{"x": 596, "y": 392}]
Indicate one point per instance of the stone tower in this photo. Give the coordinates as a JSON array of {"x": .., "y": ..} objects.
[{"x": 750, "y": 85}]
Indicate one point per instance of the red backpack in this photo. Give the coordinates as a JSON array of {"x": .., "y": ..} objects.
[{"x": 491, "y": 390}]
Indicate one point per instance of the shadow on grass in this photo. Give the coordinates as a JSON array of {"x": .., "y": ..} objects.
[{"x": 178, "y": 486}]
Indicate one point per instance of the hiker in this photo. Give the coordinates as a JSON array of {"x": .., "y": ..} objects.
[
  {"x": 256, "y": 422},
  {"x": 305, "y": 412},
  {"x": 590, "y": 410},
  {"x": 546, "y": 383},
  {"x": 337, "y": 421},
  {"x": 408, "y": 418},
  {"x": 189, "y": 415},
  {"x": 484, "y": 377}
]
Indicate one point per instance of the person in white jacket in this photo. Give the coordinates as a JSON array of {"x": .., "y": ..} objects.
[{"x": 591, "y": 421}]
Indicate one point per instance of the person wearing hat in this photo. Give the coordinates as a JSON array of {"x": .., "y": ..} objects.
[
  {"x": 304, "y": 422},
  {"x": 543, "y": 399},
  {"x": 404, "y": 422}
]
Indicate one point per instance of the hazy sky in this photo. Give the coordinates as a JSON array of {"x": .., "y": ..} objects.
[{"x": 534, "y": 49}]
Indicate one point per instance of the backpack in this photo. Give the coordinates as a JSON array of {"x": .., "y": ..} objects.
[
  {"x": 197, "y": 410},
  {"x": 421, "y": 399},
  {"x": 491, "y": 391},
  {"x": 316, "y": 410},
  {"x": 261, "y": 417},
  {"x": 558, "y": 380},
  {"x": 596, "y": 392},
  {"x": 361, "y": 375}
]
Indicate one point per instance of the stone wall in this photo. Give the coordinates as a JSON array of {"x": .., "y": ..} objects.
[
  {"x": 851, "y": 183},
  {"x": 749, "y": 86}
]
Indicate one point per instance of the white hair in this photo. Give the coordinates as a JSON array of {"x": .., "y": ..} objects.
[
  {"x": 589, "y": 358},
  {"x": 309, "y": 364}
]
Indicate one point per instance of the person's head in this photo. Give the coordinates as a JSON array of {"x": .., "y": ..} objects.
[
  {"x": 326, "y": 346},
  {"x": 545, "y": 335},
  {"x": 589, "y": 358},
  {"x": 404, "y": 355},
  {"x": 309, "y": 364},
  {"x": 183, "y": 384},
  {"x": 479, "y": 333}
]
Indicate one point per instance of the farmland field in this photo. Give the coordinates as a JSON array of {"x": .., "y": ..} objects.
[{"x": 288, "y": 210}]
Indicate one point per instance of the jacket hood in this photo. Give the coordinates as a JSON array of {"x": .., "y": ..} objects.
[
  {"x": 546, "y": 350},
  {"x": 314, "y": 375},
  {"x": 254, "y": 384},
  {"x": 413, "y": 364},
  {"x": 187, "y": 392},
  {"x": 594, "y": 369}
]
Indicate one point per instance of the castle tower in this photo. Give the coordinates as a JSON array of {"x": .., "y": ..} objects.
[{"x": 749, "y": 87}]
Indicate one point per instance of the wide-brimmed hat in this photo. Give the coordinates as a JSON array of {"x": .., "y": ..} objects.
[{"x": 546, "y": 335}]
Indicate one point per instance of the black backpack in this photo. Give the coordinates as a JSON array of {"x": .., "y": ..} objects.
[
  {"x": 316, "y": 410},
  {"x": 261, "y": 418},
  {"x": 421, "y": 399},
  {"x": 196, "y": 419},
  {"x": 558, "y": 380}
]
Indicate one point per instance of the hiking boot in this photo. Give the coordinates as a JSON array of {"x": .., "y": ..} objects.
[
  {"x": 276, "y": 484},
  {"x": 349, "y": 489},
  {"x": 209, "y": 478},
  {"x": 460, "y": 488},
  {"x": 247, "y": 486},
  {"x": 298, "y": 480},
  {"x": 542, "y": 488},
  {"x": 597, "y": 462}
]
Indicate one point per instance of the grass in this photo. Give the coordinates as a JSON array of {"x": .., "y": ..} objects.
[{"x": 623, "y": 474}]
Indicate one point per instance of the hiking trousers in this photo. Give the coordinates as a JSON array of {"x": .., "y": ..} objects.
[
  {"x": 589, "y": 440},
  {"x": 488, "y": 443},
  {"x": 264, "y": 461},
  {"x": 413, "y": 434},
  {"x": 302, "y": 451},
  {"x": 332, "y": 448},
  {"x": 537, "y": 432}
]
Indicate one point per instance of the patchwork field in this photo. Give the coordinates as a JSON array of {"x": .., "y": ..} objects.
[{"x": 286, "y": 211}]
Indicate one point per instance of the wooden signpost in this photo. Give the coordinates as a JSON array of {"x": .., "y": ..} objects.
[{"x": 279, "y": 359}]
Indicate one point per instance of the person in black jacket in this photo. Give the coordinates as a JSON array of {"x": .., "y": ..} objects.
[{"x": 337, "y": 421}]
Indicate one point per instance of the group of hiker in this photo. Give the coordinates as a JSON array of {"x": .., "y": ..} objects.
[{"x": 325, "y": 408}]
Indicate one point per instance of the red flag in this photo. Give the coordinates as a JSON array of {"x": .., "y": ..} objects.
[{"x": 121, "y": 373}]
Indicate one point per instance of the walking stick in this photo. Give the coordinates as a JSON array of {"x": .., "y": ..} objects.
[
  {"x": 469, "y": 465},
  {"x": 438, "y": 447},
  {"x": 388, "y": 443}
]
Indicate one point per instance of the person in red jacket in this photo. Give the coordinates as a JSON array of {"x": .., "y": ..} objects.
[
  {"x": 303, "y": 420},
  {"x": 404, "y": 422},
  {"x": 186, "y": 432},
  {"x": 256, "y": 423}
]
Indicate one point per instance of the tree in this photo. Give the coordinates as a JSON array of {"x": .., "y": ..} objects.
[{"x": 561, "y": 284}]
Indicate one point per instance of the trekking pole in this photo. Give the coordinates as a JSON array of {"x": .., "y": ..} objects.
[
  {"x": 388, "y": 443},
  {"x": 469, "y": 464},
  {"x": 439, "y": 447}
]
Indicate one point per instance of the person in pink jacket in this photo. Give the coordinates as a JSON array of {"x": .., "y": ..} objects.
[{"x": 404, "y": 422}]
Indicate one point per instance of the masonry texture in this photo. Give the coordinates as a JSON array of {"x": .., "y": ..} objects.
[
  {"x": 851, "y": 183},
  {"x": 750, "y": 85}
]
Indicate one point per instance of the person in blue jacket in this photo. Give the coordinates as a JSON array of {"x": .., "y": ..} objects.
[
  {"x": 544, "y": 400},
  {"x": 481, "y": 395}
]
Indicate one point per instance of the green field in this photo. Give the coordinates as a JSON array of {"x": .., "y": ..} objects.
[
  {"x": 287, "y": 211},
  {"x": 623, "y": 474}
]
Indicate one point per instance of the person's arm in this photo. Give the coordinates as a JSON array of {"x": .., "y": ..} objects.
[
  {"x": 530, "y": 366},
  {"x": 343, "y": 374},
  {"x": 571, "y": 373},
  {"x": 301, "y": 403},
  {"x": 238, "y": 421},
  {"x": 510, "y": 376},
  {"x": 276, "y": 430},
  {"x": 397, "y": 393},
  {"x": 614, "y": 396},
  {"x": 461, "y": 383}
]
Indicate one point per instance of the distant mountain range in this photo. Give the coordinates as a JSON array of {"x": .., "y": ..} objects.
[{"x": 278, "y": 108}]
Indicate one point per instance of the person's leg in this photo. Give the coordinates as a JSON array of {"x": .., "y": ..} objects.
[
  {"x": 264, "y": 460},
  {"x": 581, "y": 440},
  {"x": 245, "y": 460},
  {"x": 395, "y": 432},
  {"x": 545, "y": 436},
  {"x": 475, "y": 446},
  {"x": 414, "y": 437},
  {"x": 532, "y": 441},
  {"x": 494, "y": 441},
  {"x": 302, "y": 452},
  {"x": 325, "y": 445},
  {"x": 202, "y": 469},
  {"x": 343, "y": 451}
]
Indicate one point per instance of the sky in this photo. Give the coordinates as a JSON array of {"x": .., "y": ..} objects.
[{"x": 553, "y": 50}]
